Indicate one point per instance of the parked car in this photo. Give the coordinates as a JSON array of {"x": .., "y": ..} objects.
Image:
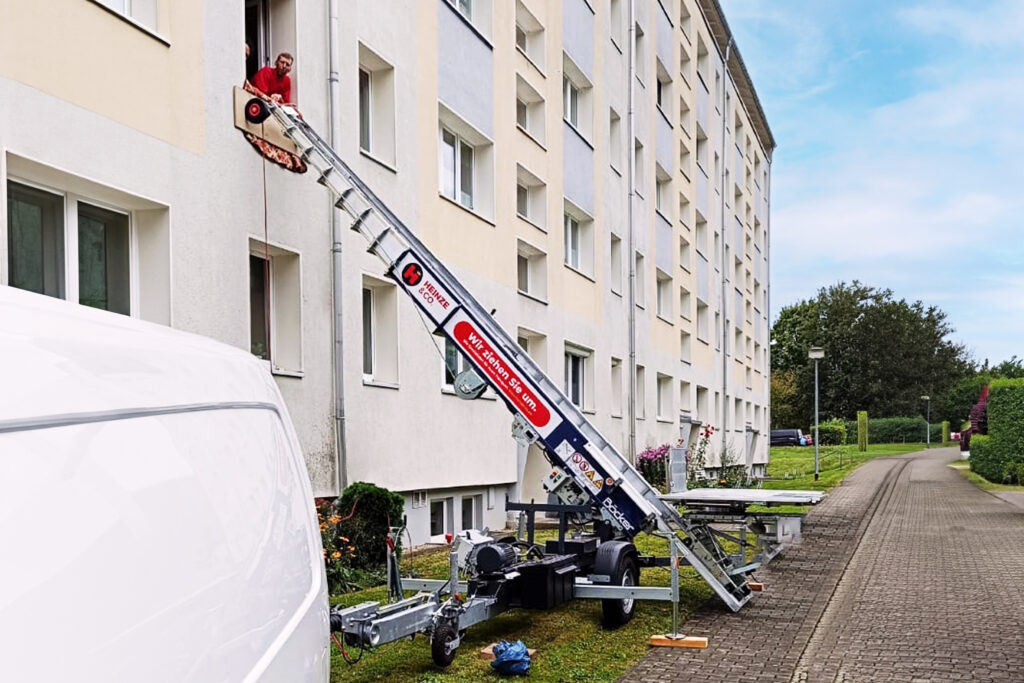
[
  {"x": 787, "y": 437},
  {"x": 156, "y": 516}
]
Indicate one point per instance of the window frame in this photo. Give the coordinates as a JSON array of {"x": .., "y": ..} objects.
[{"x": 457, "y": 162}]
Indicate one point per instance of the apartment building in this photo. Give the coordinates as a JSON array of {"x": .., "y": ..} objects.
[{"x": 595, "y": 171}]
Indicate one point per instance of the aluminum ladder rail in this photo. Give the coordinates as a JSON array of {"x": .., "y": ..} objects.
[{"x": 619, "y": 491}]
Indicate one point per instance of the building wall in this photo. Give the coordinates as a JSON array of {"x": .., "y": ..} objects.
[{"x": 147, "y": 128}]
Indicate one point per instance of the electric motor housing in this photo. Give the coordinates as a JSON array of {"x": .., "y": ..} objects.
[{"x": 494, "y": 557}]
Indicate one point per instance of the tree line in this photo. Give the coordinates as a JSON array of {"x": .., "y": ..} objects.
[{"x": 882, "y": 355}]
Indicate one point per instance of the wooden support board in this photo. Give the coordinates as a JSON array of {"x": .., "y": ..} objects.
[
  {"x": 488, "y": 652},
  {"x": 695, "y": 642}
]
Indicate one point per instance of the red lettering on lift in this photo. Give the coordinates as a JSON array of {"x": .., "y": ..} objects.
[{"x": 504, "y": 378}]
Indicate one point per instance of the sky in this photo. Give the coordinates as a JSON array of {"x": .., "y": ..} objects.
[{"x": 900, "y": 158}]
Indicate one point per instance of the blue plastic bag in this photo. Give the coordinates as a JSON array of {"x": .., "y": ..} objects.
[{"x": 511, "y": 658}]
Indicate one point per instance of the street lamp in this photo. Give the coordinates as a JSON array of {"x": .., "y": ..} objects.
[
  {"x": 927, "y": 421},
  {"x": 816, "y": 353}
]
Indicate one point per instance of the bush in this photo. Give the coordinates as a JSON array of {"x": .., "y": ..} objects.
[
  {"x": 945, "y": 431},
  {"x": 862, "y": 430},
  {"x": 363, "y": 514},
  {"x": 999, "y": 456},
  {"x": 832, "y": 432},
  {"x": 653, "y": 465}
]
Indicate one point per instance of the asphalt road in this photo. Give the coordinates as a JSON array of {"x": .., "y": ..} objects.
[{"x": 906, "y": 572}]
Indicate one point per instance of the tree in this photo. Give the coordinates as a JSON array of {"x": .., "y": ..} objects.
[
  {"x": 881, "y": 354},
  {"x": 784, "y": 405}
]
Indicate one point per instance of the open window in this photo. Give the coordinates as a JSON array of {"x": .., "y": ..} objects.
[
  {"x": 269, "y": 31},
  {"x": 376, "y": 106}
]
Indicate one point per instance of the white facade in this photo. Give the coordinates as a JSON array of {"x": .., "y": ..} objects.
[{"x": 537, "y": 230}]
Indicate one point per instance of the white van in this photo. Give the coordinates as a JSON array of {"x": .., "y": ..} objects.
[{"x": 156, "y": 517}]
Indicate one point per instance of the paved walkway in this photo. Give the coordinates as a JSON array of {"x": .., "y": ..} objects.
[{"x": 906, "y": 572}]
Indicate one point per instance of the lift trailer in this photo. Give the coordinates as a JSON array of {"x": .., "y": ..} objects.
[{"x": 591, "y": 480}]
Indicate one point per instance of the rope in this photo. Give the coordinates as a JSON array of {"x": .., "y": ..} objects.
[{"x": 266, "y": 253}]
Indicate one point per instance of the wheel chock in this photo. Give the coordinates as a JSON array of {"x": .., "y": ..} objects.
[
  {"x": 693, "y": 642},
  {"x": 755, "y": 586}
]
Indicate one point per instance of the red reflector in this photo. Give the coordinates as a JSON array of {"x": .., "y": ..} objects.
[{"x": 448, "y": 539}]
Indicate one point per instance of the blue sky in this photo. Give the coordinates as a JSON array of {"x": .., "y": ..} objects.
[{"x": 900, "y": 160}]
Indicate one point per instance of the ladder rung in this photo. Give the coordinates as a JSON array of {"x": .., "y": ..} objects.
[{"x": 342, "y": 196}]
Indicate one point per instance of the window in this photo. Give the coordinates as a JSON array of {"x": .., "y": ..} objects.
[
  {"x": 376, "y": 106},
  {"x": 664, "y": 397},
  {"x": 465, "y": 165},
  {"x": 35, "y": 239},
  {"x": 640, "y": 280},
  {"x": 529, "y": 110},
  {"x": 380, "y": 332},
  {"x": 702, "y": 151},
  {"x": 615, "y": 140},
  {"x": 96, "y": 246},
  {"x": 579, "y": 240},
  {"x": 703, "y": 405},
  {"x": 639, "y": 60},
  {"x": 664, "y": 294},
  {"x": 685, "y": 21},
  {"x": 465, "y": 7},
  {"x": 702, "y": 235},
  {"x": 142, "y": 12},
  {"x": 275, "y": 322},
  {"x": 718, "y": 330},
  {"x": 616, "y": 380},
  {"x": 531, "y": 198},
  {"x": 685, "y": 255},
  {"x": 615, "y": 265},
  {"x": 684, "y": 303},
  {"x": 663, "y": 88},
  {"x": 454, "y": 364},
  {"x": 570, "y": 102},
  {"x": 702, "y": 322},
  {"x": 662, "y": 191},
  {"x": 685, "y": 64},
  {"x": 457, "y": 166},
  {"x": 572, "y": 242},
  {"x": 577, "y": 98},
  {"x": 641, "y": 396},
  {"x": 685, "y": 117},
  {"x": 684, "y": 396},
  {"x": 531, "y": 271},
  {"x": 616, "y": 21},
  {"x": 685, "y": 348},
  {"x": 529, "y": 35},
  {"x": 535, "y": 344},
  {"x": 577, "y": 382}
]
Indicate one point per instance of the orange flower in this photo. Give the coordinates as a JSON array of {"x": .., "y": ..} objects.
[
  {"x": 351, "y": 548},
  {"x": 343, "y": 538},
  {"x": 335, "y": 554}
]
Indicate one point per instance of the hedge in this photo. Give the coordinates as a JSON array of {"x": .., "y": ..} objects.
[
  {"x": 832, "y": 432},
  {"x": 895, "y": 430},
  {"x": 999, "y": 456},
  {"x": 860, "y": 435}
]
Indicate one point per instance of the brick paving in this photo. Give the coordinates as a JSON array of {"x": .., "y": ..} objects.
[{"x": 906, "y": 572}]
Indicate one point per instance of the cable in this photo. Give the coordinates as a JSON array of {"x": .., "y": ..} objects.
[{"x": 344, "y": 653}]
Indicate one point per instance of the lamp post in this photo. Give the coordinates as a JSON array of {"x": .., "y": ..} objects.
[
  {"x": 816, "y": 353},
  {"x": 927, "y": 421}
]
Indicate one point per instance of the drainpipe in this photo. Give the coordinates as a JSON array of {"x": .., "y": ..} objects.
[
  {"x": 334, "y": 115},
  {"x": 630, "y": 242},
  {"x": 768, "y": 289},
  {"x": 726, "y": 407}
]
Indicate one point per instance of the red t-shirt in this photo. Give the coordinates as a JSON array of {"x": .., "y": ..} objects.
[{"x": 266, "y": 80}]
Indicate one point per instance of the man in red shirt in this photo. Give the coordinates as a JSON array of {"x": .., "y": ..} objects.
[{"x": 273, "y": 81}]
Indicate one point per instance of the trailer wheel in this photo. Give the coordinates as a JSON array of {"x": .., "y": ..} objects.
[
  {"x": 256, "y": 110},
  {"x": 439, "y": 640},
  {"x": 616, "y": 612}
]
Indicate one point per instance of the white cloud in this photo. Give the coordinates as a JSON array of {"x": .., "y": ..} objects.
[{"x": 997, "y": 24}]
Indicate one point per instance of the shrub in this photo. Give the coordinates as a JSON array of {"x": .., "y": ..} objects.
[
  {"x": 832, "y": 432},
  {"x": 999, "y": 455},
  {"x": 365, "y": 512},
  {"x": 945, "y": 431},
  {"x": 653, "y": 464},
  {"x": 862, "y": 430}
]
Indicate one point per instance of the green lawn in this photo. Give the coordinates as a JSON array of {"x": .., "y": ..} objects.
[
  {"x": 792, "y": 467},
  {"x": 570, "y": 641},
  {"x": 964, "y": 468}
]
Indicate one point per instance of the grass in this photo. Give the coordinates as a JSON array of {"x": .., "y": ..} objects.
[
  {"x": 964, "y": 468},
  {"x": 571, "y": 644},
  {"x": 792, "y": 467}
]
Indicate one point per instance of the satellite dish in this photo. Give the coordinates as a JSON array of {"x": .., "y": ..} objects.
[{"x": 468, "y": 385}]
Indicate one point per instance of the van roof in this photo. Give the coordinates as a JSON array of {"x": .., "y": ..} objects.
[{"x": 58, "y": 358}]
